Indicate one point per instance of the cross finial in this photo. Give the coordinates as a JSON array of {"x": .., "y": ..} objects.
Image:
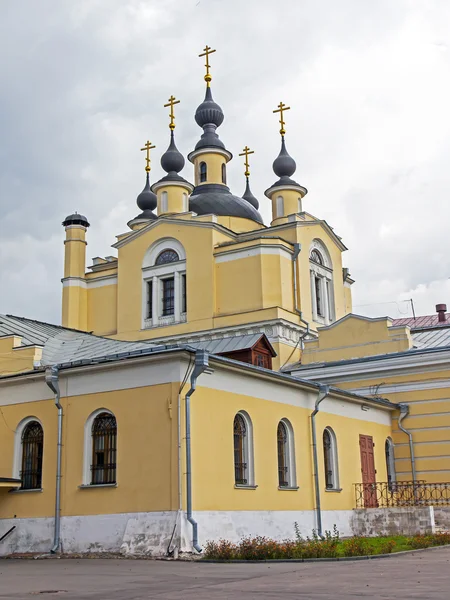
[
  {"x": 281, "y": 108},
  {"x": 206, "y": 52},
  {"x": 245, "y": 153},
  {"x": 171, "y": 103},
  {"x": 148, "y": 146}
]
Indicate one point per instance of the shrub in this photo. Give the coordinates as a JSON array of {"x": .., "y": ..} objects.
[
  {"x": 441, "y": 539},
  {"x": 386, "y": 546},
  {"x": 221, "y": 550},
  {"x": 421, "y": 541},
  {"x": 356, "y": 546}
]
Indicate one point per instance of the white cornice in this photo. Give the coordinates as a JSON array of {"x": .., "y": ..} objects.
[
  {"x": 210, "y": 150},
  {"x": 183, "y": 184},
  {"x": 237, "y": 254}
]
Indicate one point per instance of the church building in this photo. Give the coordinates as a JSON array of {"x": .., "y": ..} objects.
[{"x": 177, "y": 402}]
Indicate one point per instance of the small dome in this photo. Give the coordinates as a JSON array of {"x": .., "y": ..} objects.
[
  {"x": 247, "y": 195},
  {"x": 209, "y": 111},
  {"x": 147, "y": 199},
  {"x": 172, "y": 161},
  {"x": 76, "y": 219},
  {"x": 284, "y": 165}
]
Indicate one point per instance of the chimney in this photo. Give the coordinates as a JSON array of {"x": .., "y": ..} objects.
[{"x": 441, "y": 309}]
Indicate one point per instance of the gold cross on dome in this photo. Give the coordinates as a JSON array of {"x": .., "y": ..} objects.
[
  {"x": 171, "y": 103},
  {"x": 206, "y": 52},
  {"x": 245, "y": 153},
  {"x": 281, "y": 108},
  {"x": 148, "y": 146}
]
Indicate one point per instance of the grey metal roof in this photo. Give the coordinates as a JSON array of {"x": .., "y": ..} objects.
[
  {"x": 32, "y": 332},
  {"x": 211, "y": 198},
  {"x": 432, "y": 338},
  {"x": 229, "y": 344}
]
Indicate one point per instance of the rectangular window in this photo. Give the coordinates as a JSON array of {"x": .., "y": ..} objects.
[
  {"x": 149, "y": 299},
  {"x": 168, "y": 296},
  {"x": 330, "y": 301},
  {"x": 318, "y": 286},
  {"x": 183, "y": 294}
]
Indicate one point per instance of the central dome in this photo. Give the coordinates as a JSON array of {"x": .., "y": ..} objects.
[{"x": 212, "y": 198}]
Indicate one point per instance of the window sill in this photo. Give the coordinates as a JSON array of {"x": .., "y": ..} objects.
[
  {"x": 288, "y": 488},
  {"x": 94, "y": 486},
  {"x": 20, "y": 491},
  {"x": 334, "y": 490},
  {"x": 244, "y": 487}
]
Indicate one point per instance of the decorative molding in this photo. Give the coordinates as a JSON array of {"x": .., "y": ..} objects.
[
  {"x": 237, "y": 254},
  {"x": 101, "y": 281},
  {"x": 74, "y": 282}
]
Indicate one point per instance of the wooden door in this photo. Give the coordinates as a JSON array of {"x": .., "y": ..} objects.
[{"x": 368, "y": 471}]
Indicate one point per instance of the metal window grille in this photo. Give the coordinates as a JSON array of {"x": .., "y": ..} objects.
[
  {"x": 282, "y": 441},
  {"x": 104, "y": 448},
  {"x": 167, "y": 256},
  {"x": 183, "y": 294},
  {"x": 168, "y": 299},
  {"x": 32, "y": 453},
  {"x": 262, "y": 360},
  {"x": 224, "y": 173},
  {"x": 149, "y": 299},
  {"x": 316, "y": 257},
  {"x": 240, "y": 441},
  {"x": 203, "y": 172},
  {"x": 328, "y": 459}
]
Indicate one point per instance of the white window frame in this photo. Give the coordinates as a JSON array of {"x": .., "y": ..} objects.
[
  {"x": 164, "y": 202},
  {"x": 290, "y": 457},
  {"x": 390, "y": 461},
  {"x": 248, "y": 451},
  {"x": 324, "y": 273},
  {"x": 87, "y": 447},
  {"x": 185, "y": 202},
  {"x": 156, "y": 274},
  {"x": 18, "y": 448},
  {"x": 334, "y": 461},
  {"x": 279, "y": 206}
]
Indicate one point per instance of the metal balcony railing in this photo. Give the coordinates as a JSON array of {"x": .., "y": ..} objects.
[{"x": 387, "y": 494}]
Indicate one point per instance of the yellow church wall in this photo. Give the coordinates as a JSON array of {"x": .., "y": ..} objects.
[
  {"x": 102, "y": 309},
  {"x": 212, "y": 449},
  {"x": 175, "y": 200},
  {"x": 239, "y": 225},
  {"x": 75, "y": 251},
  {"x": 74, "y": 307},
  {"x": 356, "y": 337},
  {"x": 214, "y": 162},
  {"x": 291, "y": 204},
  {"x": 15, "y": 358},
  {"x": 147, "y": 457},
  {"x": 348, "y": 300}
]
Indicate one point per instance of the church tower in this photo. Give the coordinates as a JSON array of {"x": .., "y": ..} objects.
[
  {"x": 286, "y": 194},
  {"x": 74, "y": 305}
]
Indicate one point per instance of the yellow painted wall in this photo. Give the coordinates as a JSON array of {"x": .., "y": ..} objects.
[
  {"x": 102, "y": 310},
  {"x": 175, "y": 203},
  {"x": 291, "y": 204},
  {"x": 213, "y": 462},
  {"x": 147, "y": 458},
  {"x": 75, "y": 251},
  {"x": 74, "y": 307},
  {"x": 214, "y": 164},
  {"x": 15, "y": 358}
]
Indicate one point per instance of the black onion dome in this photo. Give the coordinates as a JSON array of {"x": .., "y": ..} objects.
[
  {"x": 172, "y": 161},
  {"x": 147, "y": 199},
  {"x": 76, "y": 219},
  {"x": 216, "y": 199},
  {"x": 209, "y": 111},
  {"x": 247, "y": 195},
  {"x": 284, "y": 165}
]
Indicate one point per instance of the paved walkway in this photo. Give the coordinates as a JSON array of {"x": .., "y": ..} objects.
[{"x": 424, "y": 575}]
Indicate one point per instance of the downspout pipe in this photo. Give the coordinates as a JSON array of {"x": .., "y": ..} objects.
[
  {"x": 297, "y": 248},
  {"x": 201, "y": 364},
  {"x": 52, "y": 380},
  {"x": 324, "y": 390},
  {"x": 404, "y": 412}
]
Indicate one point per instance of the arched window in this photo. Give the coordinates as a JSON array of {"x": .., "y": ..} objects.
[
  {"x": 185, "y": 202},
  {"x": 167, "y": 256},
  {"x": 164, "y": 202},
  {"x": 32, "y": 453},
  {"x": 285, "y": 452},
  {"x": 203, "y": 172},
  {"x": 279, "y": 206},
  {"x": 224, "y": 173},
  {"x": 390, "y": 461},
  {"x": 243, "y": 450},
  {"x": 322, "y": 292},
  {"x": 104, "y": 448},
  {"x": 330, "y": 459}
]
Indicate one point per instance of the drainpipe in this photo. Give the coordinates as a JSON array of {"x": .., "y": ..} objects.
[
  {"x": 323, "y": 393},
  {"x": 404, "y": 412},
  {"x": 201, "y": 364},
  {"x": 52, "y": 380},
  {"x": 297, "y": 248}
]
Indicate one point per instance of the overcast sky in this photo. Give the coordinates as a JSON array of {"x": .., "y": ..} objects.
[{"x": 83, "y": 83}]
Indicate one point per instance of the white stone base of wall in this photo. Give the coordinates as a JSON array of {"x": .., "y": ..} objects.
[{"x": 156, "y": 533}]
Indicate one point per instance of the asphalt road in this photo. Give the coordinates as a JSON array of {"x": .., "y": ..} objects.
[{"x": 424, "y": 575}]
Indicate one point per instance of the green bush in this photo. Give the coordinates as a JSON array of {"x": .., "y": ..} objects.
[
  {"x": 386, "y": 546},
  {"x": 356, "y": 546}
]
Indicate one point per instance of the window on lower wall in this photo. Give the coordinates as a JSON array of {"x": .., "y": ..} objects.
[
  {"x": 104, "y": 449},
  {"x": 243, "y": 450},
  {"x": 32, "y": 454},
  {"x": 330, "y": 459}
]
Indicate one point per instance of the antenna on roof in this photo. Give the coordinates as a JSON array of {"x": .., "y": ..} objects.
[{"x": 412, "y": 308}]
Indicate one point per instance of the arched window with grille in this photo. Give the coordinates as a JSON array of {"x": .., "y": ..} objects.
[
  {"x": 203, "y": 172},
  {"x": 330, "y": 458},
  {"x": 322, "y": 289},
  {"x": 32, "y": 455},
  {"x": 286, "y": 455},
  {"x": 390, "y": 461},
  {"x": 104, "y": 449},
  {"x": 243, "y": 450},
  {"x": 224, "y": 173}
]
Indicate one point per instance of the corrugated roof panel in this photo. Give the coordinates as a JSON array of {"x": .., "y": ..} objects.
[
  {"x": 432, "y": 338},
  {"x": 228, "y": 344}
]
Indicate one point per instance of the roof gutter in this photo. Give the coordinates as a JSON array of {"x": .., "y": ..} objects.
[
  {"x": 201, "y": 364},
  {"x": 52, "y": 380},
  {"x": 324, "y": 390}
]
